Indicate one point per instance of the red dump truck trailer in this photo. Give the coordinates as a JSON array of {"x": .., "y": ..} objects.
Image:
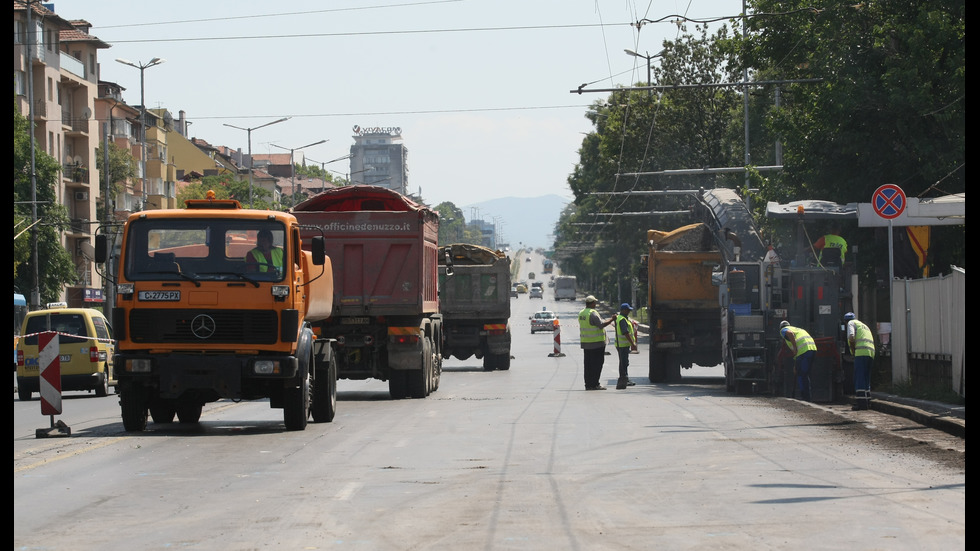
[{"x": 385, "y": 320}]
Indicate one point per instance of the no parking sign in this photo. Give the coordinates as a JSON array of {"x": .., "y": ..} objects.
[{"x": 889, "y": 201}]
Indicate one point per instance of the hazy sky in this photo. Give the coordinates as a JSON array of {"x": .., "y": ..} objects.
[{"x": 479, "y": 88}]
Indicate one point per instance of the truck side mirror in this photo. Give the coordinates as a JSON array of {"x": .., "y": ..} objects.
[
  {"x": 101, "y": 249},
  {"x": 319, "y": 251}
]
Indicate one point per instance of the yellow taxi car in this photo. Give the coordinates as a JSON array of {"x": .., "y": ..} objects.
[
  {"x": 85, "y": 349},
  {"x": 521, "y": 288}
]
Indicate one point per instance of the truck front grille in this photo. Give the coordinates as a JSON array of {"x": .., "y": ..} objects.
[{"x": 148, "y": 326}]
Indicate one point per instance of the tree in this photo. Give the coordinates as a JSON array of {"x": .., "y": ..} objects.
[
  {"x": 890, "y": 107},
  {"x": 227, "y": 186},
  {"x": 600, "y": 239},
  {"x": 58, "y": 270},
  {"x": 121, "y": 168}
]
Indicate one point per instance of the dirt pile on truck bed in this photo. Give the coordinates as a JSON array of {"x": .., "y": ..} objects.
[{"x": 693, "y": 237}]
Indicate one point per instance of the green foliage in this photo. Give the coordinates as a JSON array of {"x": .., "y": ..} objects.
[
  {"x": 876, "y": 95},
  {"x": 638, "y": 131},
  {"x": 452, "y": 225},
  {"x": 890, "y": 108},
  {"x": 227, "y": 186},
  {"x": 121, "y": 168},
  {"x": 55, "y": 268}
]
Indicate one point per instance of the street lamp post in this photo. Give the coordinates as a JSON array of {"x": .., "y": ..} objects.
[
  {"x": 249, "y": 131},
  {"x": 142, "y": 67},
  {"x": 649, "y": 59},
  {"x": 292, "y": 166}
]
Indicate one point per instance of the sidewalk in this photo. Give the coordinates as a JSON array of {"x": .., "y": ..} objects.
[
  {"x": 945, "y": 417},
  {"x": 948, "y": 418}
]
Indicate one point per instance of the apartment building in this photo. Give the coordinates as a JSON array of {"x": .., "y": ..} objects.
[{"x": 55, "y": 82}]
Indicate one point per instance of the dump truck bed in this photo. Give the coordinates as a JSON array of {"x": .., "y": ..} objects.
[{"x": 383, "y": 248}]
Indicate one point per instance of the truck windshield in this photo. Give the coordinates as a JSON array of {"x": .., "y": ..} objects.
[{"x": 212, "y": 249}]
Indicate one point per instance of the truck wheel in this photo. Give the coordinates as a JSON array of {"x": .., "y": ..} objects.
[
  {"x": 436, "y": 370},
  {"x": 296, "y": 404},
  {"x": 659, "y": 366},
  {"x": 503, "y": 362},
  {"x": 489, "y": 362},
  {"x": 189, "y": 412},
  {"x": 325, "y": 393},
  {"x": 397, "y": 385},
  {"x": 672, "y": 367},
  {"x": 729, "y": 373},
  {"x": 23, "y": 394},
  {"x": 103, "y": 389},
  {"x": 133, "y": 403},
  {"x": 163, "y": 411},
  {"x": 416, "y": 383}
]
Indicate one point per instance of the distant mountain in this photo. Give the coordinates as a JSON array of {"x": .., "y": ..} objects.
[{"x": 527, "y": 220}]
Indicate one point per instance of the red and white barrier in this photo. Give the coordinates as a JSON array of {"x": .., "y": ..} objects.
[
  {"x": 557, "y": 353},
  {"x": 49, "y": 380}
]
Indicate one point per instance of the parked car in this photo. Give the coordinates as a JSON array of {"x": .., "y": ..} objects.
[
  {"x": 513, "y": 291},
  {"x": 543, "y": 321},
  {"x": 85, "y": 349},
  {"x": 536, "y": 292}
]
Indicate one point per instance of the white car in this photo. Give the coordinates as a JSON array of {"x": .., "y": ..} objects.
[
  {"x": 543, "y": 321},
  {"x": 536, "y": 292}
]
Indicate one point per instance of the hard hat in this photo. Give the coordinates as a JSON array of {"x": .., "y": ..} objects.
[
  {"x": 849, "y": 316},
  {"x": 590, "y": 298},
  {"x": 783, "y": 323}
]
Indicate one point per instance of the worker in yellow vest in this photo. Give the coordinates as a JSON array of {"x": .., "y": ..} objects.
[
  {"x": 264, "y": 257},
  {"x": 625, "y": 341},
  {"x": 804, "y": 349},
  {"x": 592, "y": 339},
  {"x": 861, "y": 342}
]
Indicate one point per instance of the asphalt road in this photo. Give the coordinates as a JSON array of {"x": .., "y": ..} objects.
[{"x": 517, "y": 459}]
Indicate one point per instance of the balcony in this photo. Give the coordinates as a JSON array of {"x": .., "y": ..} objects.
[
  {"x": 75, "y": 174},
  {"x": 80, "y": 225}
]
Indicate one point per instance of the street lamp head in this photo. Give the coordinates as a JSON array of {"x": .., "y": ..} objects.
[{"x": 156, "y": 61}]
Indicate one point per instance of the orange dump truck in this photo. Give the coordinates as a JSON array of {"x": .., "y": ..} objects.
[
  {"x": 685, "y": 312},
  {"x": 199, "y": 316},
  {"x": 385, "y": 318}
]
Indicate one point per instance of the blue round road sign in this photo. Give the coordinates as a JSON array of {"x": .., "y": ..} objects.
[{"x": 889, "y": 201}]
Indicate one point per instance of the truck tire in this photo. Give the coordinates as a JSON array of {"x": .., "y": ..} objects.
[
  {"x": 324, "y": 406},
  {"x": 489, "y": 362},
  {"x": 163, "y": 411},
  {"x": 23, "y": 394},
  {"x": 437, "y": 357},
  {"x": 133, "y": 403},
  {"x": 189, "y": 412},
  {"x": 296, "y": 403},
  {"x": 397, "y": 385},
  {"x": 502, "y": 362},
  {"x": 418, "y": 380},
  {"x": 657, "y": 374},
  {"x": 672, "y": 367}
]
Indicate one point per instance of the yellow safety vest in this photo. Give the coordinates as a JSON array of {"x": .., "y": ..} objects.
[
  {"x": 864, "y": 341},
  {"x": 804, "y": 342},
  {"x": 587, "y": 331},
  {"x": 263, "y": 264},
  {"x": 622, "y": 339},
  {"x": 831, "y": 241}
]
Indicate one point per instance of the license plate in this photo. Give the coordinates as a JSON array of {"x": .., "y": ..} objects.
[
  {"x": 167, "y": 296},
  {"x": 355, "y": 321}
]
